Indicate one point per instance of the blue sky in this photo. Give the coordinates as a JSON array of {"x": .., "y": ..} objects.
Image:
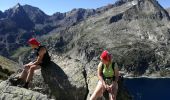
[{"x": 52, "y": 6}]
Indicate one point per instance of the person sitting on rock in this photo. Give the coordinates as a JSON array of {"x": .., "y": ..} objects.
[
  {"x": 108, "y": 75},
  {"x": 42, "y": 60}
]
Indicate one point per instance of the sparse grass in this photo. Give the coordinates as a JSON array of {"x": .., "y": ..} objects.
[
  {"x": 7, "y": 67},
  {"x": 165, "y": 73},
  {"x": 8, "y": 64},
  {"x": 20, "y": 51}
]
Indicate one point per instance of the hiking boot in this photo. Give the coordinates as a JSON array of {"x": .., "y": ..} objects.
[
  {"x": 15, "y": 81},
  {"x": 26, "y": 85}
]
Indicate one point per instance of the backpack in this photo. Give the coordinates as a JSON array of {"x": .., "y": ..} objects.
[{"x": 113, "y": 65}]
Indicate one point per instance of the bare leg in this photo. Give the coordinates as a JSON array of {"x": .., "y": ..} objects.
[
  {"x": 113, "y": 95},
  {"x": 25, "y": 72},
  {"x": 98, "y": 92},
  {"x": 31, "y": 72}
]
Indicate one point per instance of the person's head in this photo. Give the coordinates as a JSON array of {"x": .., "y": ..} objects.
[
  {"x": 33, "y": 43},
  {"x": 105, "y": 57}
]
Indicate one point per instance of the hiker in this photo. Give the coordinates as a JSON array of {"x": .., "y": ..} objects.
[
  {"x": 41, "y": 60},
  {"x": 108, "y": 75}
]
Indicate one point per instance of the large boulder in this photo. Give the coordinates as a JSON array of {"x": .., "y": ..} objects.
[
  {"x": 7, "y": 67},
  {"x": 78, "y": 79},
  {"x": 65, "y": 83},
  {"x": 8, "y": 92},
  {"x": 67, "y": 80},
  {"x": 60, "y": 82}
]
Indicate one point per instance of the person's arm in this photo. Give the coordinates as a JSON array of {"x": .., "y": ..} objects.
[
  {"x": 99, "y": 74},
  {"x": 116, "y": 70},
  {"x": 40, "y": 56}
]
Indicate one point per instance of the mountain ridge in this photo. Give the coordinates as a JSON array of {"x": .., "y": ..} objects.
[
  {"x": 168, "y": 10},
  {"x": 116, "y": 32}
]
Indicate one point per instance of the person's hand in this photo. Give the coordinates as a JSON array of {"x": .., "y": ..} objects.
[
  {"x": 28, "y": 65},
  {"x": 105, "y": 86},
  {"x": 109, "y": 88},
  {"x": 112, "y": 86}
]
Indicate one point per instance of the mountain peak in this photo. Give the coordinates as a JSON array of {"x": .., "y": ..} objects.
[
  {"x": 146, "y": 8},
  {"x": 35, "y": 14},
  {"x": 121, "y": 2},
  {"x": 168, "y": 10},
  {"x": 19, "y": 16},
  {"x": 18, "y": 5},
  {"x": 16, "y": 9},
  {"x": 1, "y": 14}
]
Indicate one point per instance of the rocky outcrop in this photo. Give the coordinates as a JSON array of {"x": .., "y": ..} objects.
[
  {"x": 7, "y": 67},
  {"x": 20, "y": 17},
  {"x": 121, "y": 2},
  {"x": 63, "y": 20},
  {"x": 168, "y": 10},
  {"x": 146, "y": 9},
  {"x": 35, "y": 14},
  {"x": 128, "y": 32},
  {"x": 67, "y": 81},
  {"x": 8, "y": 92},
  {"x": 1, "y": 14}
]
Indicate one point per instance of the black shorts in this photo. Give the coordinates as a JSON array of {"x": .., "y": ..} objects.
[{"x": 44, "y": 64}]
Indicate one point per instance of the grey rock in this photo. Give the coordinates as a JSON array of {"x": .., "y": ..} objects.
[
  {"x": 121, "y": 2},
  {"x": 168, "y": 10},
  {"x": 67, "y": 80},
  {"x": 146, "y": 9},
  {"x": 57, "y": 83},
  {"x": 65, "y": 84},
  {"x": 7, "y": 67},
  {"x": 35, "y": 14},
  {"x": 20, "y": 17},
  {"x": 10, "y": 93},
  {"x": 1, "y": 14},
  {"x": 128, "y": 32}
]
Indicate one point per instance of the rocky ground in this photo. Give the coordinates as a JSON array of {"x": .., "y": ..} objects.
[
  {"x": 7, "y": 67},
  {"x": 55, "y": 82},
  {"x": 8, "y": 92}
]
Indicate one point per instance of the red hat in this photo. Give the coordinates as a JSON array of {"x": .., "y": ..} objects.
[
  {"x": 33, "y": 41},
  {"x": 105, "y": 54}
]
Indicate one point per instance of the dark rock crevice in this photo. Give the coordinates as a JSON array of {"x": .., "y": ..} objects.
[
  {"x": 116, "y": 18},
  {"x": 85, "y": 77},
  {"x": 4, "y": 73}
]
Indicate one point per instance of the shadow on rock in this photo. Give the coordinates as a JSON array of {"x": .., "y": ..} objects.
[{"x": 58, "y": 82}]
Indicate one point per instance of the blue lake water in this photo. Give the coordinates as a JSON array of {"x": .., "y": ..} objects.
[{"x": 148, "y": 89}]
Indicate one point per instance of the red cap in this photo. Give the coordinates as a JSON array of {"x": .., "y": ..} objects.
[
  {"x": 105, "y": 54},
  {"x": 33, "y": 41}
]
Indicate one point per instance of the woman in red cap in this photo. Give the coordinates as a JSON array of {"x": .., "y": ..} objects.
[
  {"x": 108, "y": 75},
  {"x": 42, "y": 59}
]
